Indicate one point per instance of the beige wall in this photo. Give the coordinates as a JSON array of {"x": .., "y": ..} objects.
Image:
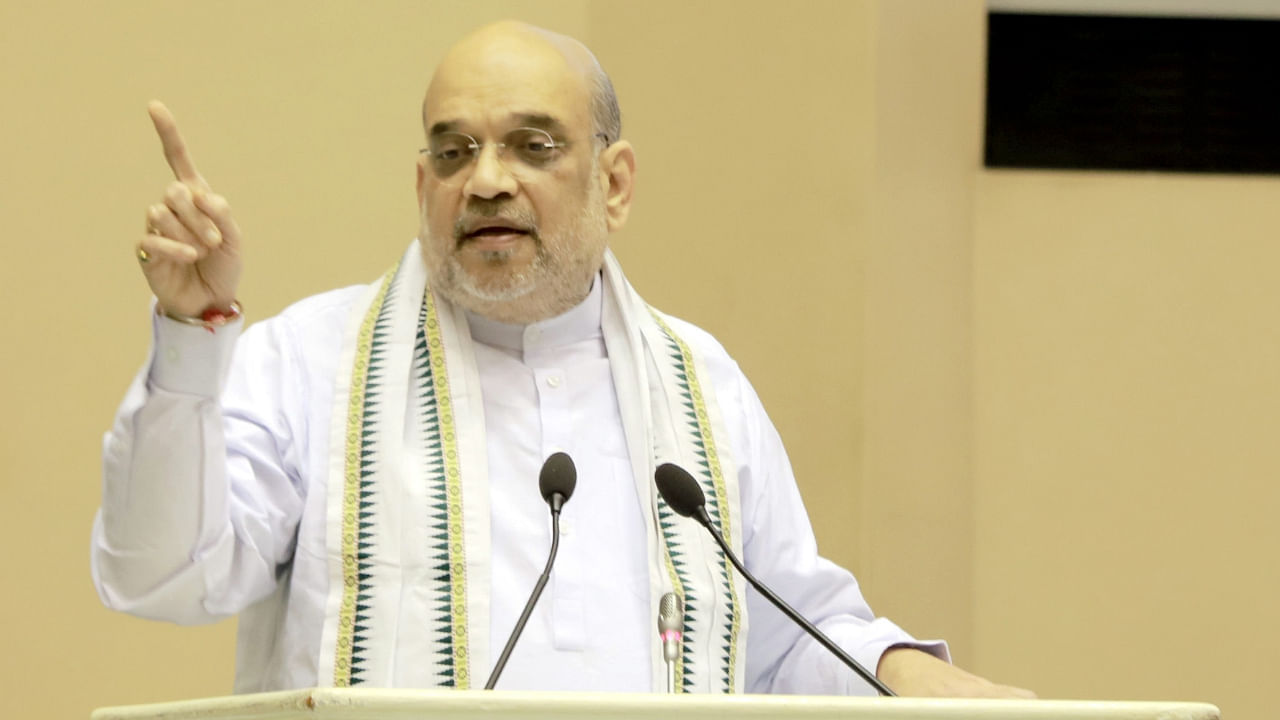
[
  {"x": 916, "y": 556},
  {"x": 1031, "y": 410},
  {"x": 1127, "y": 407}
]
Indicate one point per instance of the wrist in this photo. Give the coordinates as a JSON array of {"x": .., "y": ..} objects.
[
  {"x": 902, "y": 661},
  {"x": 210, "y": 319}
]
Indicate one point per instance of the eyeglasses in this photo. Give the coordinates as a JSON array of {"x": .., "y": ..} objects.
[{"x": 524, "y": 152}]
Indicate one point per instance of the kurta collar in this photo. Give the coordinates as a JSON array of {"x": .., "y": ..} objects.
[{"x": 579, "y": 323}]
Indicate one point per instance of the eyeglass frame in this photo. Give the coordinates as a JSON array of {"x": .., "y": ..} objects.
[{"x": 478, "y": 147}]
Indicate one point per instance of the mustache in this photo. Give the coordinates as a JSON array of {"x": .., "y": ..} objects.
[{"x": 478, "y": 209}]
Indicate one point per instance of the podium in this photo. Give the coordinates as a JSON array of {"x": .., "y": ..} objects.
[{"x": 383, "y": 704}]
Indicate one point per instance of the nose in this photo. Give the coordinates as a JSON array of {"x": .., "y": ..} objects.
[{"x": 490, "y": 177}]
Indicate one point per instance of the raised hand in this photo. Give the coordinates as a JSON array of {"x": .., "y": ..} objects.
[{"x": 190, "y": 253}]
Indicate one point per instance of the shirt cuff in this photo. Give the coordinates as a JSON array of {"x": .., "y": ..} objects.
[
  {"x": 883, "y": 634},
  {"x": 867, "y": 644},
  {"x": 190, "y": 359}
]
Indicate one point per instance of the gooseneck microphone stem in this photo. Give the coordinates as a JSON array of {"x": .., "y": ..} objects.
[
  {"x": 556, "y": 481},
  {"x": 700, "y": 514},
  {"x": 533, "y": 599}
]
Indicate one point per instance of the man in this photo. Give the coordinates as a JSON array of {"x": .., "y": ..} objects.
[{"x": 357, "y": 480}]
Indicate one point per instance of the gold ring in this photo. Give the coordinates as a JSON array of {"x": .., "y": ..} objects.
[{"x": 143, "y": 255}]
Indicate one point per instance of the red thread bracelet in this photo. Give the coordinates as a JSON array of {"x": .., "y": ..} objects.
[{"x": 210, "y": 319}]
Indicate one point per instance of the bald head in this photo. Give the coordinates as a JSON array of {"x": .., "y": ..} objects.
[{"x": 495, "y": 54}]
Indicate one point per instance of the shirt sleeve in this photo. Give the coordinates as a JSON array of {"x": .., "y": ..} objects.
[
  {"x": 781, "y": 551},
  {"x": 200, "y": 496}
]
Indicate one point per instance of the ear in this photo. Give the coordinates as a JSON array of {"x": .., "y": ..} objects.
[{"x": 617, "y": 176}]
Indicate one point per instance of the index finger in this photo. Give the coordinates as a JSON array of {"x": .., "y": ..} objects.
[{"x": 175, "y": 150}]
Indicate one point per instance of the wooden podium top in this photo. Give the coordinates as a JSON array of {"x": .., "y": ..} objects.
[{"x": 381, "y": 704}]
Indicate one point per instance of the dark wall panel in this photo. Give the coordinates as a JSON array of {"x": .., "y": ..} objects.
[{"x": 1133, "y": 93}]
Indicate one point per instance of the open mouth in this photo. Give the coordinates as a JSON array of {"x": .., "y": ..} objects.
[
  {"x": 494, "y": 231},
  {"x": 493, "y": 238}
]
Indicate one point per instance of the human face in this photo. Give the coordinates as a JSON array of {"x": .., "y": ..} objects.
[{"x": 514, "y": 243}]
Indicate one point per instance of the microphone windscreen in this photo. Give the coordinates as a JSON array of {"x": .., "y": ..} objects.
[
  {"x": 670, "y": 613},
  {"x": 679, "y": 489},
  {"x": 558, "y": 476}
]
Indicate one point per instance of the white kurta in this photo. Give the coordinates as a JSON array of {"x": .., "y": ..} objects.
[{"x": 214, "y": 504}]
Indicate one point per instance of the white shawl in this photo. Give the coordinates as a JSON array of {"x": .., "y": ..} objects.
[{"x": 408, "y": 506}]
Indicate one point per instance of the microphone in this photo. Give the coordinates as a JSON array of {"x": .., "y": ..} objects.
[
  {"x": 671, "y": 630},
  {"x": 683, "y": 494},
  {"x": 556, "y": 482}
]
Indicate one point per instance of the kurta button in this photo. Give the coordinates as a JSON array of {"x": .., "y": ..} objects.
[{"x": 553, "y": 380}]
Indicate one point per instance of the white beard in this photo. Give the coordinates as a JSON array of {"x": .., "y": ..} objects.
[{"x": 558, "y": 278}]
